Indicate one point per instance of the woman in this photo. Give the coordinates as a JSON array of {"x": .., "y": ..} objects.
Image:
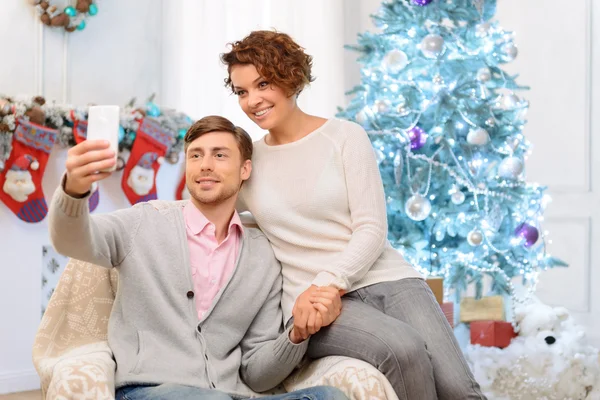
[{"x": 317, "y": 194}]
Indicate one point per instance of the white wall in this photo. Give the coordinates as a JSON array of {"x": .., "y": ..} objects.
[
  {"x": 118, "y": 56},
  {"x": 196, "y": 85}
]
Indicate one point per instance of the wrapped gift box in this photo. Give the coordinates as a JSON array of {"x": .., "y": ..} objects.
[
  {"x": 448, "y": 310},
  {"x": 492, "y": 333},
  {"x": 489, "y": 308},
  {"x": 437, "y": 287}
]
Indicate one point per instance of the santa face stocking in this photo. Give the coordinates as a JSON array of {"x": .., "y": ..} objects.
[
  {"x": 21, "y": 180},
  {"x": 80, "y": 134},
  {"x": 149, "y": 148}
]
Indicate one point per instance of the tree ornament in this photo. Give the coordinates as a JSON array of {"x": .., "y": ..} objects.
[
  {"x": 457, "y": 197},
  {"x": 511, "y": 167},
  {"x": 432, "y": 46},
  {"x": 482, "y": 30},
  {"x": 484, "y": 74},
  {"x": 509, "y": 52},
  {"x": 417, "y": 207},
  {"x": 475, "y": 237},
  {"x": 382, "y": 106},
  {"x": 478, "y": 137},
  {"x": 395, "y": 61},
  {"x": 418, "y": 137},
  {"x": 528, "y": 232}
]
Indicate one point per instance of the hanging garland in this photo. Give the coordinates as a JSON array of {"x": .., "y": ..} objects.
[
  {"x": 148, "y": 136},
  {"x": 71, "y": 18}
]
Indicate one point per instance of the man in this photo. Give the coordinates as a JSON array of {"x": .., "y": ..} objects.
[{"x": 198, "y": 299}]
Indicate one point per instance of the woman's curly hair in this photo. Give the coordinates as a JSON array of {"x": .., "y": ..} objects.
[{"x": 277, "y": 58}]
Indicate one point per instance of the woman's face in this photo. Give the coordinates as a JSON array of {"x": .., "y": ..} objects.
[{"x": 265, "y": 104}]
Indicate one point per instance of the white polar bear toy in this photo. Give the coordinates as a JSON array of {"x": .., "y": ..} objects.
[{"x": 549, "y": 359}]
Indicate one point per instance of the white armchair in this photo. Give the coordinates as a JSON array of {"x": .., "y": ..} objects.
[{"x": 74, "y": 361}]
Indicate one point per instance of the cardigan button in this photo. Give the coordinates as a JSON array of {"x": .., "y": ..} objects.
[{"x": 190, "y": 295}]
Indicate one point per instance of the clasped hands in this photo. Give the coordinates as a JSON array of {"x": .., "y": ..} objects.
[{"x": 315, "y": 308}]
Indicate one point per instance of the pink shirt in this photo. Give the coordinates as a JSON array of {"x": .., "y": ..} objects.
[{"x": 212, "y": 263}]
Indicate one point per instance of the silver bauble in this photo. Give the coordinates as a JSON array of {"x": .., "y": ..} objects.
[
  {"x": 511, "y": 167},
  {"x": 381, "y": 106},
  {"x": 417, "y": 207},
  {"x": 401, "y": 100},
  {"x": 509, "y": 52},
  {"x": 484, "y": 74},
  {"x": 457, "y": 197},
  {"x": 481, "y": 30},
  {"x": 475, "y": 237},
  {"x": 509, "y": 101},
  {"x": 395, "y": 61},
  {"x": 432, "y": 46},
  {"x": 403, "y": 111},
  {"x": 478, "y": 137},
  {"x": 361, "y": 117}
]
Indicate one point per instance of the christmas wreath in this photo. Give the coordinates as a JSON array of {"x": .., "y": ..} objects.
[{"x": 70, "y": 18}]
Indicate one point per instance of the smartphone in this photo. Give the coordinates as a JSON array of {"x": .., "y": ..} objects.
[{"x": 103, "y": 124}]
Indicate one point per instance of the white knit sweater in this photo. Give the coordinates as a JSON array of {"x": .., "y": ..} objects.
[{"x": 320, "y": 202}]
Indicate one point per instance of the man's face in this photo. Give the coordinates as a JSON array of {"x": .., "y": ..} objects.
[{"x": 214, "y": 169}]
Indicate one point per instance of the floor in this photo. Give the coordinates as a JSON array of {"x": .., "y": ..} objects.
[{"x": 35, "y": 395}]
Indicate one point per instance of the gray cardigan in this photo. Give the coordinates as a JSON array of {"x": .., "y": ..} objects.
[{"x": 154, "y": 331}]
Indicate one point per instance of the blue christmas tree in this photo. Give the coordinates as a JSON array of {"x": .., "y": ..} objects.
[{"x": 447, "y": 126}]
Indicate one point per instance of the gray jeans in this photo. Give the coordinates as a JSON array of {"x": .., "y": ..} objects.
[{"x": 399, "y": 328}]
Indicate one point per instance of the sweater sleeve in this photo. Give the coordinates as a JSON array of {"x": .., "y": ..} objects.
[
  {"x": 268, "y": 355},
  {"x": 366, "y": 200},
  {"x": 103, "y": 240}
]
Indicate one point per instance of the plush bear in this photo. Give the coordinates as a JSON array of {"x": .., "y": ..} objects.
[
  {"x": 549, "y": 359},
  {"x": 540, "y": 320}
]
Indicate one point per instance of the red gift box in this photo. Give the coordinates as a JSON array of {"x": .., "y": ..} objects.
[
  {"x": 448, "y": 310},
  {"x": 492, "y": 333}
]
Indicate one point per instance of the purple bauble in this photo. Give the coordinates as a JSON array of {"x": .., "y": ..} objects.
[
  {"x": 527, "y": 232},
  {"x": 422, "y": 2},
  {"x": 418, "y": 137}
]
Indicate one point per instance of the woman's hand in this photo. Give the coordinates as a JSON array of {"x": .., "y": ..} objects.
[
  {"x": 328, "y": 301},
  {"x": 304, "y": 311},
  {"x": 315, "y": 308}
]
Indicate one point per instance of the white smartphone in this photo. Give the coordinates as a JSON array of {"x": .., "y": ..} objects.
[{"x": 103, "y": 124}]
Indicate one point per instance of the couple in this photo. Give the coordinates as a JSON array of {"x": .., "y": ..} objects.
[{"x": 206, "y": 307}]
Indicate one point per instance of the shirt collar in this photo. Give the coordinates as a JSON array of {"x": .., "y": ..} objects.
[{"x": 197, "y": 222}]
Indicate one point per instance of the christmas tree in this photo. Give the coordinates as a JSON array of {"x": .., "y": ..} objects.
[{"x": 446, "y": 124}]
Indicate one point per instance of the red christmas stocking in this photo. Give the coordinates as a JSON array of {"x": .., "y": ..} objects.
[
  {"x": 80, "y": 134},
  {"x": 21, "y": 182},
  {"x": 182, "y": 191},
  {"x": 148, "y": 151}
]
